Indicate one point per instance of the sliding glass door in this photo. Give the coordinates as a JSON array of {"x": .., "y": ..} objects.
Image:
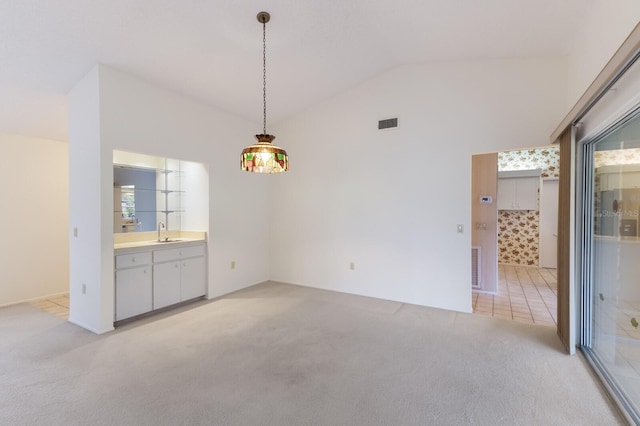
[{"x": 611, "y": 258}]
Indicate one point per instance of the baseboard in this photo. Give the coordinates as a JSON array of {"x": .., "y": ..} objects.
[{"x": 492, "y": 293}]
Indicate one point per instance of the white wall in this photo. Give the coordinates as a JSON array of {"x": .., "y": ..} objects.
[
  {"x": 604, "y": 27},
  {"x": 137, "y": 116},
  {"x": 390, "y": 200},
  {"x": 34, "y": 255},
  {"x": 88, "y": 265}
]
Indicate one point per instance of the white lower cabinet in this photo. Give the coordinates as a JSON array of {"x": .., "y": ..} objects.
[
  {"x": 133, "y": 292},
  {"x": 181, "y": 275},
  {"x": 193, "y": 279},
  {"x": 166, "y": 284},
  {"x": 154, "y": 279}
]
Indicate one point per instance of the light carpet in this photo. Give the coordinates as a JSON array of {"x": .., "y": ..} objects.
[{"x": 277, "y": 354}]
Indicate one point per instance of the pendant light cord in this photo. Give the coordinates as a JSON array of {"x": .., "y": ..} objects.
[{"x": 264, "y": 76}]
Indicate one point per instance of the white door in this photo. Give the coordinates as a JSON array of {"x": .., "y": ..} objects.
[{"x": 549, "y": 224}]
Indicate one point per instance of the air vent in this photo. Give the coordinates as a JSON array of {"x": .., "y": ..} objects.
[
  {"x": 475, "y": 268},
  {"x": 388, "y": 123}
]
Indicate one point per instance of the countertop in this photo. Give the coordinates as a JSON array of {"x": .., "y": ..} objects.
[{"x": 155, "y": 244}]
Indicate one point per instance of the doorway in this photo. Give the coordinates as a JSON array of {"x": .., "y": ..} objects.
[{"x": 524, "y": 227}]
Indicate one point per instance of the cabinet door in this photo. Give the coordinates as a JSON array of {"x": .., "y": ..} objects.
[
  {"x": 506, "y": 194},
  {"x": 527, "y": 193},
  {"x": 166, "y": 284},
  {"x": 133, "y": 292},
  {"x": 518, "y": 193},
  {"x": 194, "y": 279}
]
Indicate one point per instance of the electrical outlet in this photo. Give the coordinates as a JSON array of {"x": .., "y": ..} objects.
[
  {"x": 233, "y": 264},
  {"x": 352, "y": 266},
  {"x": 84, "y": 289}
]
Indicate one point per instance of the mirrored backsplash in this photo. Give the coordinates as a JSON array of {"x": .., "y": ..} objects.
[{"x": 149, "y": 192}]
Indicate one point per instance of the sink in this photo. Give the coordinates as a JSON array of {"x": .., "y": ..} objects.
[{"x": 168, "y": 241}]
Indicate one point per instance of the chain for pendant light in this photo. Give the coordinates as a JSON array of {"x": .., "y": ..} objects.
[{"x": 264, "y": 76}]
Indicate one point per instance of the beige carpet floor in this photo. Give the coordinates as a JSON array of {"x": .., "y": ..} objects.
[{"x": 277, "y": 354}]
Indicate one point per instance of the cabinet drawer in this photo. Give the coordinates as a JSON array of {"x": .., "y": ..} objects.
[
  {"x": 134, "y": 259},
  {"x": 178, "y": 253}
]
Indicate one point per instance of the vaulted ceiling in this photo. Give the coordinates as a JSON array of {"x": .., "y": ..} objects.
[{"x": 211, "y": 50}]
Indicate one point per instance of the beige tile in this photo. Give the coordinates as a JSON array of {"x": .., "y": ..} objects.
[
  {"x": 42, "y": 304},
  {"x": 60, "y": 300},
  {"x": 521, "y": 315},
  {"x": 57, "y": 310}
]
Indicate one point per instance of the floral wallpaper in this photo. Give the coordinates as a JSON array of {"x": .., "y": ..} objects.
[
  {"x": 518, "y": 231},
  {"x": 616, "y": 157},
  {"x": 518, "y": 237},
  {"x": 546, "y": 159}
]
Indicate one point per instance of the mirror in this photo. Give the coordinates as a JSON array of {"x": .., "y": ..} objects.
[
  {"x": 134, "y": 199},
  {"x": 147, "y": 190}
]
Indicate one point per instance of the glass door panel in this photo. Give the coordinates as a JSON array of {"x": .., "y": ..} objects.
[{"x": 615, "y": 258}]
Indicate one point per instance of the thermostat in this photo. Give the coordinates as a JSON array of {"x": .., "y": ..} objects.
[{"x": 486, "y": 199}]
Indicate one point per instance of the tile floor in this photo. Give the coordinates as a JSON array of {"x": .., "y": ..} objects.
[
  {"x": 525, "y": 294},
  {"x": 58, "y": 305}
]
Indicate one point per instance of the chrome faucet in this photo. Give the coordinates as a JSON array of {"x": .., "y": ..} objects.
[{"x": 160, "y": 226}]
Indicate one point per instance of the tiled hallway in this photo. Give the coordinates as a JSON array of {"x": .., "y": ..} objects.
[
  {"x": 57, "y": 305},
  {"x": 525, "y": 294}
]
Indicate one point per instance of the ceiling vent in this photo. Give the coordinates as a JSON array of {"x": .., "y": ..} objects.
[{"x": 388, "y": 123}]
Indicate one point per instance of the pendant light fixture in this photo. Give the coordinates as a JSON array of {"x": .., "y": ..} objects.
[{"x": 263, "y": 157}]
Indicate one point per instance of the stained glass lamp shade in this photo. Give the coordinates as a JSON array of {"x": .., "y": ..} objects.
[{"x": 263, "y": 157}]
